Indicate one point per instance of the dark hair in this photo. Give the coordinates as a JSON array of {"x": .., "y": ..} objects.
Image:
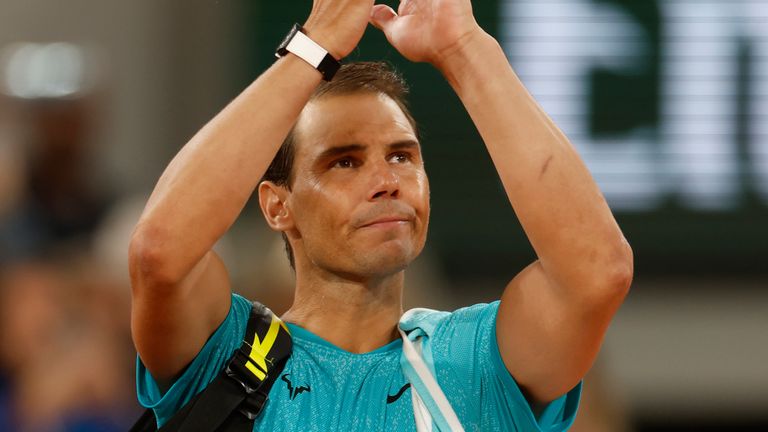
[{"x": 352, "y": 78}]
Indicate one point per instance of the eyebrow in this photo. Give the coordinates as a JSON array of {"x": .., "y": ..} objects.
[{"x": 348, "y": 148}]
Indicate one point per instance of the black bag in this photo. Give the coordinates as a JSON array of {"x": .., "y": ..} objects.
[{"x": 233, "y": 400}]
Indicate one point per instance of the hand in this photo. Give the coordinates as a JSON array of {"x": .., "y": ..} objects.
[
  {"x": 427, "y": 30},
  {"x": 338, "y": 25}
]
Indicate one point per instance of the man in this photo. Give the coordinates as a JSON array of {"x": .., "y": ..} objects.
[{"x": 354, "y": 210}]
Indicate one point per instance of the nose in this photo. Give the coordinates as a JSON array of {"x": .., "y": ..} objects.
[{"x": 385, "y": 182}]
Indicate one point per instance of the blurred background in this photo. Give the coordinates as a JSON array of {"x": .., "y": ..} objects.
[{"x": 667, "y": 101}]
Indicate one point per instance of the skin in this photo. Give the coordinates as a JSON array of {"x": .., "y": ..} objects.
[
  {"x": 356, "y": 216},
  {"x": 553, "y": 314}
]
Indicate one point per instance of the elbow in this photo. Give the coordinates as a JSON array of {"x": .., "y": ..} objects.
[
  {"x": 607, "y": 281},
  {"x": 149, "y": 261},
  {"x": 615, "y": 276}
]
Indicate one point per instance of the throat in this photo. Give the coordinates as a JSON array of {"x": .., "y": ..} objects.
[{"x": 351, "y": 318}]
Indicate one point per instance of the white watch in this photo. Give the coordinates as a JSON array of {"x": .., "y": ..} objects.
[{"x": 299, "y": 44}]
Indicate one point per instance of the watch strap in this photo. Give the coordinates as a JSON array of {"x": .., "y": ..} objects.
[{"x": 301, "y": 45}]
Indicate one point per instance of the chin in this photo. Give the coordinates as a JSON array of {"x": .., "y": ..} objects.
[
  {"x": 389, "y": 267},
  {"x": 386, "y": 260}
]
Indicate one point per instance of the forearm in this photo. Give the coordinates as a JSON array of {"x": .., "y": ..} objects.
[
  {"x": 206, "y": 185},
  {"x": 553, "y": 194}
]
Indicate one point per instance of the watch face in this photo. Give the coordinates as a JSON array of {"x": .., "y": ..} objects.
[{"x": 282, "y": 48}]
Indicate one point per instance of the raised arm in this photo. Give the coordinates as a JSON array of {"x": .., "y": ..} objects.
[
  {"x": 181, "y": 291},
  {"x": 554, "y": 314}
]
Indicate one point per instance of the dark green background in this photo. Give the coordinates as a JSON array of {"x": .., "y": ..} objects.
[{"x": 473, "y": 228}]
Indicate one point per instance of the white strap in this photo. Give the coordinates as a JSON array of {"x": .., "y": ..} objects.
[
  {"x": 413, "y": 357},
  {"x": 307, "y": 49},
  {"x": 420, "y": 410},
  {"x": 421, "y": 413}
]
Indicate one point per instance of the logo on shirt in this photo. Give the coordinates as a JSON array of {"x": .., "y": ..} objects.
[
  {"x": 294, "y": 391},
  {"x": 396, "y": 396}
]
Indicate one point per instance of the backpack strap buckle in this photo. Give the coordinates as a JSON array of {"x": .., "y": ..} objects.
[{"x": 239, "y": 370}]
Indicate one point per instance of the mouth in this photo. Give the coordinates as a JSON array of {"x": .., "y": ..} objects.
[
  {"x": 387, "y": 222},
  {"x": 391, "y": 215}
]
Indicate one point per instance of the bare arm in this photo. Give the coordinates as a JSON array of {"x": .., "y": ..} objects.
[
  {"x": 181, "y": 291},
  {"x": 554, "y": 314}
]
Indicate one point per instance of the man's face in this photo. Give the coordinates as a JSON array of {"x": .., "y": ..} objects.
[{"x": 359, "y": 199}]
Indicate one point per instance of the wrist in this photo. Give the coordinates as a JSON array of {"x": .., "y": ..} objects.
[
  {"x": 324, "y": 38},
  {"x": 304, "y": 47},
  {"x": 472, "y": 51}
]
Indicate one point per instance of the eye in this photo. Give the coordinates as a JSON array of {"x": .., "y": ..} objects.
[
  {"x": 346, "y": 162},
  {"x": 401, "y": 157}
]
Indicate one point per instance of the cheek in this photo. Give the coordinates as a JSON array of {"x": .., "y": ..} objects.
[
  {"x": 319, "y": 210},
  {"x": 421, "y": 194},
  {"x": 425, "y": 206}
]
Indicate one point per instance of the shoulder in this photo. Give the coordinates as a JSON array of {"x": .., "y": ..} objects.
[
  {"x": 464, "y": 338},
  {"x": 241, "y": 307},
  {"x": 431, "y": 322},
  {"x": 201, "y": 371}
]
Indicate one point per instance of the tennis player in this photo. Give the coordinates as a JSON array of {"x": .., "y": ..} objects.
[{"x": 339, "y": 172}]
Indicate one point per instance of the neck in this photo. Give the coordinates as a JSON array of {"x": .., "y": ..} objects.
[{"x": 355, "y": 315}]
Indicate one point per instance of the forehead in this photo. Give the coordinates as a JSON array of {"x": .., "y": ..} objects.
[{"x": 369, "y": 119}]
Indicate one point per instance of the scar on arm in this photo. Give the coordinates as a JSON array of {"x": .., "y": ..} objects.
[{"x": 545, "y": 166}]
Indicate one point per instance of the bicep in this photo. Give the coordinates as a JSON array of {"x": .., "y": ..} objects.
[
  {"x": 548, "y": 340},
  {"x": 170, "y": 324}
]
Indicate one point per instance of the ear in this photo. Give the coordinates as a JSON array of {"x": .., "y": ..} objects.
[{"x": 272, "y": 200}]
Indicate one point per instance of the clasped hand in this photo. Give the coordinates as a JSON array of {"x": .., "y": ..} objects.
[{"x": 421, "y": 30}]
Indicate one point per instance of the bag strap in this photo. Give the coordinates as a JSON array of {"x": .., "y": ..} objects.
[
  {"x": 236, "y": 396},
  {"x": 429, "y": 401}
]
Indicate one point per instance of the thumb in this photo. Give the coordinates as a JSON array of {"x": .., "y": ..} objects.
[{"x": 382, "y": 16}]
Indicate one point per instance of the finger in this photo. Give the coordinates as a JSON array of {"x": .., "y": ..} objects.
[
  {"x": 407, "y": 7},
  {"x": 382, "y": 16}
]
